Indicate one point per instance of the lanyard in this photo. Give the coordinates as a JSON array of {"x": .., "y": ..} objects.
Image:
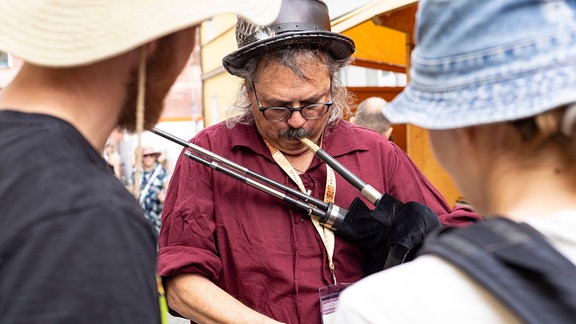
[{"x": 326, "y": 234}]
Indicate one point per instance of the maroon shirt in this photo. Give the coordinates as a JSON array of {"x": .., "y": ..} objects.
[{"x": 258, "y": 248}]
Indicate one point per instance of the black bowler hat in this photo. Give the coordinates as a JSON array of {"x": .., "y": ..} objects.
[{"x": 300, "y": 22}]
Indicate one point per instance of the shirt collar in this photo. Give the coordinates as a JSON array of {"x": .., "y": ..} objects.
[
  {"x": 246, "y": 137},
  {"x": 341, "y": 139}
]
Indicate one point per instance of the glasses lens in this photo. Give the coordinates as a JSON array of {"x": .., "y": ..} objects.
[
  {"x": 314, "y": 111},
  {"x": 277, "y": 114}
]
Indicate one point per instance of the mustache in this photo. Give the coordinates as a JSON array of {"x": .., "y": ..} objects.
[{"x": 295, "y": 133}]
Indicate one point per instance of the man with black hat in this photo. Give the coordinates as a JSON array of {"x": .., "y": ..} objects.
[
  {"x": 229, "y": 253},
  {"x": 75, "y": 246}
]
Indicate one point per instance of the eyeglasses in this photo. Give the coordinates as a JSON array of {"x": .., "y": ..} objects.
[{"x": 278, "y": 114}]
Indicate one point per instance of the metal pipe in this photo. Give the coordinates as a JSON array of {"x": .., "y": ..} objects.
[
  {"x": 365, "y": 189},
  {"x": 319, "y": 203}
]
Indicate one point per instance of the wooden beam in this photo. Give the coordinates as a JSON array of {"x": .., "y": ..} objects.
[
  {"x": 380, "y": 65},
  {"x": 366, "y": 12},
  {"x": 401, "y": 19}
]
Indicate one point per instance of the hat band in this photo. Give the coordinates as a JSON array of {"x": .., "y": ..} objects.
[{"x": 278, "y": 29}]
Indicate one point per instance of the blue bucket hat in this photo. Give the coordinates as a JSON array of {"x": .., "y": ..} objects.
[{"x": 482, "y": 61}]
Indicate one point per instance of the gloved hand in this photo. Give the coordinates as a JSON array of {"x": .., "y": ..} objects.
[
  {"x": 409, "y": 229},
  {"x": 391, "y": 227}
]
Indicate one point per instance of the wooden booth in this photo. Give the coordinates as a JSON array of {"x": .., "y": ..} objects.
[{"x": 383, "y": 33}]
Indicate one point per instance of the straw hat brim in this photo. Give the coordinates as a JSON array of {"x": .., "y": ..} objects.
[{"x": 61, "y": 33}]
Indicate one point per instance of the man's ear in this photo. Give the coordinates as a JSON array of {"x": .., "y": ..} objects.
[
  {"x": 467, "y": 134},
  {"x": 388, "y": 133},
  {"x": 145, "y": 50},
  {"x": 151, "y": 46}
]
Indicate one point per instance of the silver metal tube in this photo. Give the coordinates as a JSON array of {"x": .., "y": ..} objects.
[{"x": 365, "y": 189}]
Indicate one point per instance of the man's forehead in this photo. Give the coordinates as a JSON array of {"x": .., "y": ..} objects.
[{"x": 313, "y": 71}]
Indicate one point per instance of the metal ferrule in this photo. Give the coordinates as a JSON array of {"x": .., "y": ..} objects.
[
  {"x": 334, "y": 217},
  {"x": 371, "y": 194}
]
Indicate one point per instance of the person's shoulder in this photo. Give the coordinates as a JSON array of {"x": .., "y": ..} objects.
[
  {"x": 224, "y": 128},
  {"x": 112, "y": 212},
  {"x": 95, "y": 188},
  {"x": 223, "y": 138},
  {"x": 358, "y": 131},
  {"x": 425, "y": 271},
  {"x": 362, "y": 137},
  {"x": 89, "y": 184},
  {"x": 421, "y": 290},
  {"x": 559, "y": 229},
  {"x": 426, "y": 275},
  {"x": 218, "y": 132},
  {"x": 391, "y": 294}
]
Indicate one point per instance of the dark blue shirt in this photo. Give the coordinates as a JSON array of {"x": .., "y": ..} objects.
[{"x": 74, "y": 244}]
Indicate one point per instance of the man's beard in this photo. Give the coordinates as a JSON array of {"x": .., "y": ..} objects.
[
  {"x": 160, "y": 76},
  {"x": 295, "y": 133}
]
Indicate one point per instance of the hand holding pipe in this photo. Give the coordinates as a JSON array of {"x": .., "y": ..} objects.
[
  {"x": 365, "y": 189},
  {"x": 389, "y": 232}
]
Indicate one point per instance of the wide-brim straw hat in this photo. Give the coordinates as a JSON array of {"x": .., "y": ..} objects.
[
  {"x": 480, "y": 62},
  {"x": 299, "y": 23},
  {"x": 61, "y": 33}
]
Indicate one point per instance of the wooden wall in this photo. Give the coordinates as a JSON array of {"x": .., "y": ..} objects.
[{"x": 414, "y": 141}]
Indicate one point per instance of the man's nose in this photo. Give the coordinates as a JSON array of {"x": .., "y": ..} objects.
[{"x": 296, "y": 120}]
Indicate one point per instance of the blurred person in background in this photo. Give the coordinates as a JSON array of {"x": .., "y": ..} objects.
[
  {"x": 369, "y": 115},
  {"x": 74, "y": 244},
  {"x": 113, "y": 159},
  {"x": 153, "y": 185}
]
